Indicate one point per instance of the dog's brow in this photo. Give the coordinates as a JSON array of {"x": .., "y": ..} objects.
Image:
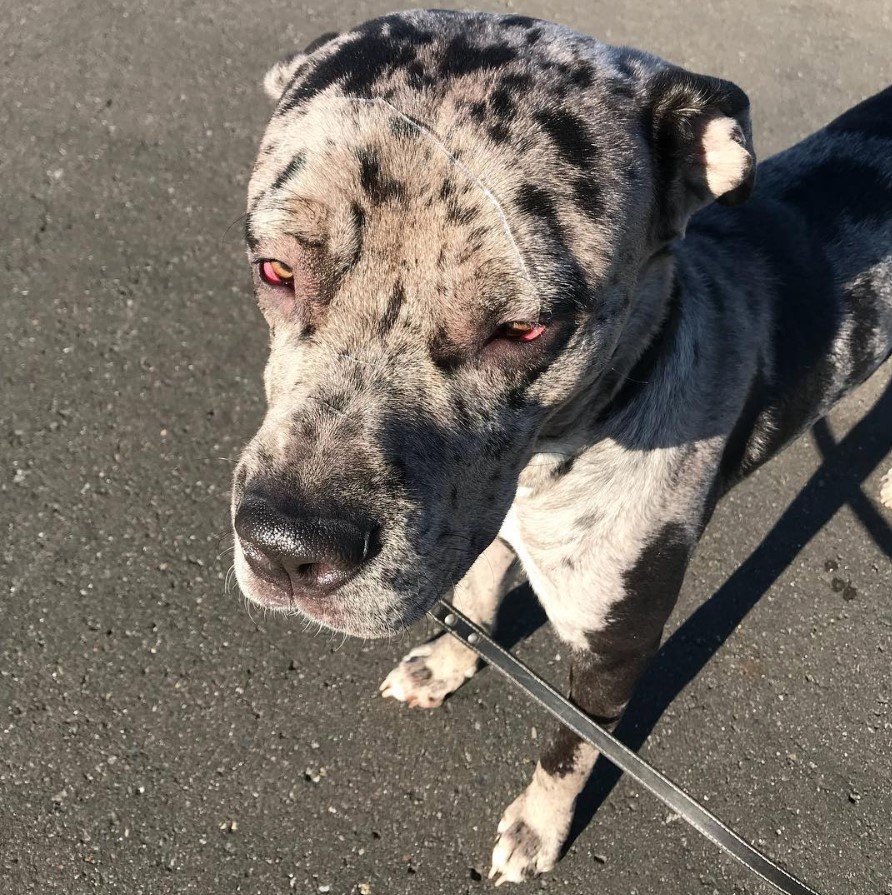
[{"x": 477, "y": 181}]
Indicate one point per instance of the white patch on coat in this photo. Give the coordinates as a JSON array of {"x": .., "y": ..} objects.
[{"x": 575, "y": 567}]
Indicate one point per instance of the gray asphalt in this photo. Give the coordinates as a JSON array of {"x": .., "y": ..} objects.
[{"x": 154, "y": 737}]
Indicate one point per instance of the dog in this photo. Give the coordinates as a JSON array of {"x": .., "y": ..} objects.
[{"x": 533, "y": 310}]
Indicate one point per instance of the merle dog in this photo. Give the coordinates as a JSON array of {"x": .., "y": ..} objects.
[{"x": 511, "y": 333}]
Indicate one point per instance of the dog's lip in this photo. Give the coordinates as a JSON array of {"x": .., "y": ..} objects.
[
  {"x": 329, "y": 610},
  {"x": 275, "y": 592}
]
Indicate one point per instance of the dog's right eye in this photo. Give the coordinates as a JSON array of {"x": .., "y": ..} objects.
[
  {"x": 276, "y": 273},
  {"x": 520, "y": 331}
]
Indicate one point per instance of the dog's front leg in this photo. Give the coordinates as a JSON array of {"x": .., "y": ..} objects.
[
  {"x": 430, "y": 672},
  {"x": 603, "y": 675}
]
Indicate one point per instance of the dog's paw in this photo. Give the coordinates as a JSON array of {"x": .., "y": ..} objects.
[
  {"x": 529, "y": 842},
  {"x": 430, "y": 672},
  {"x": 886, "y": 490}
]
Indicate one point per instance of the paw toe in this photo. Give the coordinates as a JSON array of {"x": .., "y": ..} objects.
[
  {"x": 521, "y": 853},
  {"x": 428, "y": 674}
]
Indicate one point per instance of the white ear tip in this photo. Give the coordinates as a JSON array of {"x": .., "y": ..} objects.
[{"x": 727, "y": 160}]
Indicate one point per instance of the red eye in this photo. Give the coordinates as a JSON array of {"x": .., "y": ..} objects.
[
  {"x": 520, "y": 331},
  {"x": 275, "y": 273}
]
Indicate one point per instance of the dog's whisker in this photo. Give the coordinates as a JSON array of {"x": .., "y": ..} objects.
[
  {"x": 240, "y": 218},
  {"x": 223, "y": 552}
]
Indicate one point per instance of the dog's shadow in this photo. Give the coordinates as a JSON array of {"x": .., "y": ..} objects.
[{"x": 837, "y": 482}]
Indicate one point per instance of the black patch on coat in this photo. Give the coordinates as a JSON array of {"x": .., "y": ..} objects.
[
  {"x": 478, "y": 111},
  {"x": 250, "y": 236},
  {"x": 397, "y": 27},
  {"x": 358, "y": 214},
  {"x": 603, "y": 678},
  {"x": 539, "y": 204},
  {"x": 863, "y": 303},
  {"x": 515, "y": 83},
  {"x": 289, "y": 171},
  {"x": 378, "y": 187},
  {"x": 652, "y": 585},
  {"x": 446, "y": 355},
  {"x": 871, "y": 118},
  {"x": 459, "y": 214},
  {"x": 502, "y": 103},
  {"x": 418, "y": 77},
  {"x": 392, "y": 311},
  {"x": 575, "y": 294},
  {"x": 463, "y": 58},
  {"x": 565, "y": 466},
  {"x": 570, "y": 136},
  {"x": 498, "y": 132},
  {"x": 559, "y": 757},
  {"x": 582, "y": 76},
  {"x": 320, "y": 41},
  {"x": 401, "y": 128},
  {"x": 358, "y": 63},
  {"x": 587, "y": 192}
]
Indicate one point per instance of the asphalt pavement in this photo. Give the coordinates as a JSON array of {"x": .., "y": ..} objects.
[{"x": 157, "y": 737}]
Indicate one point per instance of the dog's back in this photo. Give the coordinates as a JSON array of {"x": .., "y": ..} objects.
[{"x": 802, "y": 275}]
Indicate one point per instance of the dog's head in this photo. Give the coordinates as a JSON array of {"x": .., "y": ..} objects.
[{"x": 450, "y": 221}]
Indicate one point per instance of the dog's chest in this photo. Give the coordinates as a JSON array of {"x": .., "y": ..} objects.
[
  {"x": 579, "y": 529},
  {"x": 558, "y": 533}
]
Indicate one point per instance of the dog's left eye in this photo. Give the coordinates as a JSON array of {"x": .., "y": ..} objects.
[
  {"x": 519, "y": 331},
  {"x": 275, "y": 273}
]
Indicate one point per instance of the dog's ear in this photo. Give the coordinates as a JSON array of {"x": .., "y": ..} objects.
[
  {"x": 700, "y": 133},
  {"x": 282, "y": 73}
]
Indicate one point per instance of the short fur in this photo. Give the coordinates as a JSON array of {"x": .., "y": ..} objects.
[{"x": 431, "y": 175}]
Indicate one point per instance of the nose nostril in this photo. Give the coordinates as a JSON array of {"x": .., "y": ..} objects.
[{"x": 308, "y": 571}]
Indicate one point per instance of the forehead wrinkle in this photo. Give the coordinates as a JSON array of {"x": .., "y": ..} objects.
[{"x": 477, "y": 181}]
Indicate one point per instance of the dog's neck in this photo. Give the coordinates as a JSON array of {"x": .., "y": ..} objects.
[{"x": 653, "y": 316}]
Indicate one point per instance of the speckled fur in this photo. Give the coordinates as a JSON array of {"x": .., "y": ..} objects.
[{"x": 430, "y": 175}]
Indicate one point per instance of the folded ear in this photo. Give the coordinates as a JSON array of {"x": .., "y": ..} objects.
[
  {"x": 702, "y": 145},
  {"x": 282, "y": 73}
]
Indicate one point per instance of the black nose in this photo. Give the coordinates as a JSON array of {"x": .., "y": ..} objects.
[{"x": 306, "y": 554}]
